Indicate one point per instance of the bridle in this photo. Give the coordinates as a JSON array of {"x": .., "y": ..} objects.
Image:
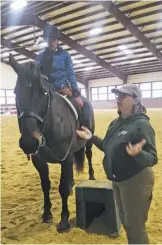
[{"x": 43, "y": 121}]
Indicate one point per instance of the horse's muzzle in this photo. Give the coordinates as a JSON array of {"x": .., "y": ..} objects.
[{"x": 29, "y": 145}]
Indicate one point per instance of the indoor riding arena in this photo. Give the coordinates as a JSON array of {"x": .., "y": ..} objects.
[{"x": 111, "y": 43}]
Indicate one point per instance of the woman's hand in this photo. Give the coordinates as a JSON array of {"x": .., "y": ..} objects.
[
  {"x": 85, "y": 133},
  {"x": 135, "y": 150}
]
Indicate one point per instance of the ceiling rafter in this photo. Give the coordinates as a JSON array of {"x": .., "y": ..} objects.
[
  {"x": 84, "y": 39},
  {"x": 102, "y": 48},
  {"x": 87, "y": 53},
  {"x": 130, "y": 66},
  {"x": 29, "y": 54},
  {"x": 77, "y": 23},
  {"x": 25, "y": 20},
  {"x": 149, "y": 5},
  {"x": 103, "y": 42},
  {"x": 76, "y": 46},
  {"x": 10, "y": 45},
  {"x": 145, "y": 53},
  {"x": 33, "y": 8},
  {"x": 125, "y": 21}
]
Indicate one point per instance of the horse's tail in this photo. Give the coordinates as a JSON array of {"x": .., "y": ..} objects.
[{"x": 79, "y": 157}]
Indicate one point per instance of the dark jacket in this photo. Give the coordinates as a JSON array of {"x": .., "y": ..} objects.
[
  {"x": 58, "y": 67},
  {"x": 117, "y": 163}
]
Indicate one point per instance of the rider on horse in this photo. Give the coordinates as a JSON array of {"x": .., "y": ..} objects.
[{"x": 57, "y": 66}]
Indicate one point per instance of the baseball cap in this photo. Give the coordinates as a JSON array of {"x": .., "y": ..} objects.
[{"x": 130, "y": 89}]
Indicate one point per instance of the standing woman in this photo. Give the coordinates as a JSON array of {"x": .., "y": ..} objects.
[{"x": 130, "y": 153}]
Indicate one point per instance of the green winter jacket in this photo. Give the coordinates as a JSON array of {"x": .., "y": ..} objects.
[{"x": 118, "y": 165}]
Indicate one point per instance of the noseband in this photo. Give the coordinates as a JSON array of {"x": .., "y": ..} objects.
[{"x": 31, "y": 114}]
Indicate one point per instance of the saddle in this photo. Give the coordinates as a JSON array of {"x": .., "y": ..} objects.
[
  {"x": 72, "y": 105},
  {"x": 84, "y": 115}
]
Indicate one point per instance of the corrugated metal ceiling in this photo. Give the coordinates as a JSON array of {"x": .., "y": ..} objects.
[{"x": 76, "y": 20}]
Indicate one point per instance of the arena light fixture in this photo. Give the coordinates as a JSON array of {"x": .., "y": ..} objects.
[
  {"x": 95, "y": 31},
  {"x": 88, "y": 68},
  {"x": 127, "y": 51},
  {"x": 43, "y": 45},
  {"x": 39, "y": 39},
  {"x": 122, "y": 47},
  {"x": 76, "y": 61},
  {"x": 18, "y": 4},
  {"x": 134, "y": 61}
]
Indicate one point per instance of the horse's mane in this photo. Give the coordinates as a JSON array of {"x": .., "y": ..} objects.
[
  {"x": 32, "y": 69},
  {"x": 32, "y": 73}
]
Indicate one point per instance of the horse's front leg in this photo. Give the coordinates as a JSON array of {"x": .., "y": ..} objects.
[
  {"x": 42, "y": 168},
  {"x": 65, "y": 189}
]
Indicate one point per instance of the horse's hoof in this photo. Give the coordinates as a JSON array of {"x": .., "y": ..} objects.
[
  {"x": 47, "y": 218},
  {"x": 63, "y": 227},
  {"x": 92, "y": 178}
]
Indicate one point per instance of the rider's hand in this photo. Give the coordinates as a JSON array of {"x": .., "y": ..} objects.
[{"x": 79, "y": 101}]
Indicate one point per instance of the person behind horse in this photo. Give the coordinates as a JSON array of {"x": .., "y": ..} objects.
[{"x": 56, "y": 64}]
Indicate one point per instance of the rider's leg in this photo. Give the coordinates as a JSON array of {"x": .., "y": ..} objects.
[
  {"x": 85, "y": 115},
  {"x": 66, "y": 91}
]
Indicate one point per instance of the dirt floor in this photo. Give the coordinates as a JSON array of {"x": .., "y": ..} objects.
[{"x": 22, "y": 198}]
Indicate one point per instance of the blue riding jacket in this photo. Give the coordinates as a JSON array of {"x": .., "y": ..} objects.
[{"x": 62, "y": 72}]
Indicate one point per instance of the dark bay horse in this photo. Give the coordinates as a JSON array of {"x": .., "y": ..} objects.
[{"x": 48, "y": 133}]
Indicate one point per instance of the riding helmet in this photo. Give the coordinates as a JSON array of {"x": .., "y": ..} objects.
[{"x": 51, "y": 32}]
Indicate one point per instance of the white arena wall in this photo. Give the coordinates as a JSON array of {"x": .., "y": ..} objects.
[
  {"x": 7, "y": 84},
  {"x": 9, "y": 76},
  {"x": 144, "y": 80},
  {"x": 8, "y": 81}
]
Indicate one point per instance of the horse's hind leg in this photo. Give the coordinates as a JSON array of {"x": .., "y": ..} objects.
[
  {"x": 42, "y": 168},
  {"x": 72, "y": 183},
  {"x": 89, "y": 157},
  {"x": 64, "y": 189}
]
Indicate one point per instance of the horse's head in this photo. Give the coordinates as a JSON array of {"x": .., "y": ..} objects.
[{"x": 32, "y": 101}]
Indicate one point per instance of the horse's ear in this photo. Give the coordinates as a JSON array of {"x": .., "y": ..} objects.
[{"x": 14, "y": 64}]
